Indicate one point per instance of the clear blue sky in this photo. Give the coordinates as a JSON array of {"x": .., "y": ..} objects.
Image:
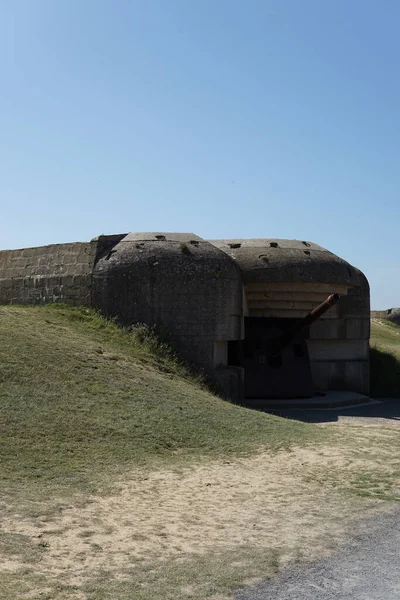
[{"x": 225, "y": 118}]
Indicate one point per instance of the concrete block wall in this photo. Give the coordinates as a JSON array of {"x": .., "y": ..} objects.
[
  {"x": 339, "y": 347},
  {"x": 54, "y": 273}
]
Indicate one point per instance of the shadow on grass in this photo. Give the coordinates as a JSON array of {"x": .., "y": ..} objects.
[{"x": 385, "y": 374}]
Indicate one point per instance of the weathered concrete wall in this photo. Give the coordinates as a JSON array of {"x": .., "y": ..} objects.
[
  {"x": 276, "y": 260},
  {"x": 339, "y": 347},
  {"x": 55, "y": 273},
  {"x": 182, "y": 285}
]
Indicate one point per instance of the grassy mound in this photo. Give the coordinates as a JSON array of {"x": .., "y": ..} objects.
[
  {"x": 80, "y": 398},
  {"x": 385, "y": 359}
]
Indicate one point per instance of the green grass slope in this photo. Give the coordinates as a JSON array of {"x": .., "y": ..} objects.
[
  {"x": 385, "y": 335},
  {"x": 385, "y": 358},
  {"x": 81, "y": 399}
]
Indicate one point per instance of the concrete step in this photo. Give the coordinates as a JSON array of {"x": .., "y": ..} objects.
[{"x": 331, "y": 399}]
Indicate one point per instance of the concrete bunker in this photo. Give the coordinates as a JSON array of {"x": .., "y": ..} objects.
[
  {"x": 283, "y": 282},
  {"x": 186, "y": 287},
  {"x": 222, "y": 304}
]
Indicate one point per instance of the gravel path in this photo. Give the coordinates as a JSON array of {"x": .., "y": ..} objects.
[{"x": 367, "y": 568}]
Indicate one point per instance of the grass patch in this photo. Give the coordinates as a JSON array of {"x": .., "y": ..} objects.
[
  {"x": 81, "y": 399},
  {"x": 386, "y": 336},
  {"x": 21, "y": 547},
  {"x": 364, "y": 483},
  {"x": 385, "y": 374},
  {"x": 385, "y": 359},
  {"x": 368, "y": 465},
  {"x": 200, "y": 578}
]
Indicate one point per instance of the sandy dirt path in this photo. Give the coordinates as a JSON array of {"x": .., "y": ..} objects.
[{"x": 262, "y": 502}]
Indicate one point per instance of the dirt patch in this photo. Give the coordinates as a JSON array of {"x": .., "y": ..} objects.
[{"x": 264, "y": 502}]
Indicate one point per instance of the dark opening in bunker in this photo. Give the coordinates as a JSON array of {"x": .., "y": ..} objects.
[{"x": 273, "y": 370}]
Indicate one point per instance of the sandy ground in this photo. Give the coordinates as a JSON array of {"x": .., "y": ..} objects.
[{"x": 263, "y": 501}]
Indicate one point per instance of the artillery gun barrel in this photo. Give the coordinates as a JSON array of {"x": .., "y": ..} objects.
[{"x": 287, "y": 337}]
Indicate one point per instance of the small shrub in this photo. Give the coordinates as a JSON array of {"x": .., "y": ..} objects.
[
  {"x": 154, "y": 341},
  {"x": 385, "y": 374}
]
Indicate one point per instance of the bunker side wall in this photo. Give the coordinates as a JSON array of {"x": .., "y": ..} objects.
[
  {"x": 54, "y": 273},
  {"x": 339, "y": 347},
  {"x": 189, "y": 290}
]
